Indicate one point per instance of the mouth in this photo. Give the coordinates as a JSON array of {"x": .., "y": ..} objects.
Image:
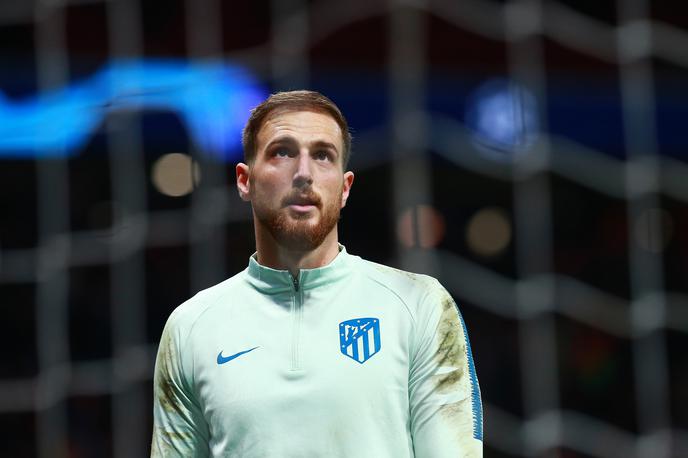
[
  {"x": 302, "y": 208},
  {"x": 302, "y": 204}
]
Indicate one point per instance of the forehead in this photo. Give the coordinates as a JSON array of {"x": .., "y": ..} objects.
[{"x": 304, "y": 126}]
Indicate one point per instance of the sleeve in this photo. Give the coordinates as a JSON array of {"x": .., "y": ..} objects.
[
  {"x": 179, "y": 428},
  {"x": 444, "y": 396}
]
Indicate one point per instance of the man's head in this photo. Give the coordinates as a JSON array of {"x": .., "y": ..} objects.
[
  {"x": 293, "y": 101},
  {"x": 294, "y": 172}
]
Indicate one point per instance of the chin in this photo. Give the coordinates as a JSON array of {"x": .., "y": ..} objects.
[
  {"x": 302, "y": 217},
  {"x": 302, "y": 227},
  {"x": 299, "y": 231}
]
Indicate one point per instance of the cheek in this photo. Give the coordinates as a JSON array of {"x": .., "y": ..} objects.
[
  {"x": 266, "y": 183},
  {"x": 334, "y": 190},
  {"x": 268, "y": 190}
]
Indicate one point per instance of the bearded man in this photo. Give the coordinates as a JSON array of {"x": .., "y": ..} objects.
[{"x": 311, "y": 351}]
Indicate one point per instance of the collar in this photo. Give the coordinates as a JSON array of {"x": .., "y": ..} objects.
[{"x": 273, "y": 281}]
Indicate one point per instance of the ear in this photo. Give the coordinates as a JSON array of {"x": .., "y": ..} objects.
[
  {"x": 346, "y": 188},
  {"x": 243, "y": 182}
]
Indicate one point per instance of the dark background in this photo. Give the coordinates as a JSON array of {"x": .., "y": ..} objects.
[{"x": 576, "y": 323}]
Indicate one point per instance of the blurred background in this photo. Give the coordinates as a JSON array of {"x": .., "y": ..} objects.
[{"x": 531, "y": 155}]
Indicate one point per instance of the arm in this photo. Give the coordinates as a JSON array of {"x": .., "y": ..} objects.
[
  {"x": 444, "y": 396},
  {"x": 179, "y": 428}
]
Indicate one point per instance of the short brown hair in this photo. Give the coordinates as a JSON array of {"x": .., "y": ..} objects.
[{"x": 293, "y": 101}]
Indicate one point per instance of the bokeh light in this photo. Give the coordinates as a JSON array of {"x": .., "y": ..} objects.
[
  {"x": 420, "y": 226},
  {"x": 503, "y": 118},
  {"x": 489, "y": 232},
  {"x": 175, "y": 174}
]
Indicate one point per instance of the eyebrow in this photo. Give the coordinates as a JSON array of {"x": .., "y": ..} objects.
[{"x": 288, "y": 139}]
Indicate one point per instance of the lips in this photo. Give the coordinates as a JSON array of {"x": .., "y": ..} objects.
[{"x": 303, "y": 201}]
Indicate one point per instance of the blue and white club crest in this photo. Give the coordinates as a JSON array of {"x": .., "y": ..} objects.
[{"x": 359, "y": 338}]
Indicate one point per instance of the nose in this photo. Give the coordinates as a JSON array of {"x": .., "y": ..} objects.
[{"x": 303, "y": 176}]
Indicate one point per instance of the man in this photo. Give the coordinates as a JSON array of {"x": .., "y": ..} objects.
[{"x": 311, "y": 351}]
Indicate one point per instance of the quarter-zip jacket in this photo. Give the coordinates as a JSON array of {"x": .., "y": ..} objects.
[{"x": 350, "y": 359}]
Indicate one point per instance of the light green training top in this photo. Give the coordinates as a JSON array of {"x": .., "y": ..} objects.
[{"x": 354, "y": 359}]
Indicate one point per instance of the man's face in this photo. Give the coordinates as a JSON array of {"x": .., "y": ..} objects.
[{"x": 296, "y": 184}]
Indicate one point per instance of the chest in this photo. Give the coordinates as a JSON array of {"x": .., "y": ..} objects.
[{"x": 305, "y": 353}]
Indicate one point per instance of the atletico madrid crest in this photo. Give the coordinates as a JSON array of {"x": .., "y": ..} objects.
[{"x": 359, "y": 339}]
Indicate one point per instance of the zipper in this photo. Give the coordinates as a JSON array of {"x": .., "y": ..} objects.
[{"x": 297, "y": 311}]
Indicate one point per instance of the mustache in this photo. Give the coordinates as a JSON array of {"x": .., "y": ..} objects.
[{"x": 308, "y": 197}]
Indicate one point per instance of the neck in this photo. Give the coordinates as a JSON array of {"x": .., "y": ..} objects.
[{"x": 273, "y": 255}]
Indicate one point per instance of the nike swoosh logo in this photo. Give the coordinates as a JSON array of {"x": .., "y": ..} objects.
[{"x": 225, "y": 359}]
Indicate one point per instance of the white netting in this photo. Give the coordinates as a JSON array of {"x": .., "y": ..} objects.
[{"x": 531, "y": 301}]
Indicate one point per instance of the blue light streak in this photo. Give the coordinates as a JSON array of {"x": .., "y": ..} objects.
[{"x": 212, "y": 98}]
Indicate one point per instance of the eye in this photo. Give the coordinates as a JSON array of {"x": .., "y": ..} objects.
[
  {"x": 323, "y": 155},
  {"x": 281, "y": 152}
]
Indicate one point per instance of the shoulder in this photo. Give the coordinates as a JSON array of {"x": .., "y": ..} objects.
[
  {"x": 185, "y": 316},
  {"x": 431, "y": 307},
  {"x": 413, "y": 289},
  {"x": 400, "y": 281}
]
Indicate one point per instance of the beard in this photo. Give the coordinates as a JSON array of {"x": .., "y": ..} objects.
[{"x": 299, "y": 233}]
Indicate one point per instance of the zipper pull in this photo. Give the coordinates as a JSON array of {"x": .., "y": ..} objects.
[{"x": 296, "y": 282}]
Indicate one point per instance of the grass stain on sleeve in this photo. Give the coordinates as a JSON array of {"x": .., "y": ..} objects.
[
  {"x": 164, "y": 384},
  {"x": 451, "y": 348}
]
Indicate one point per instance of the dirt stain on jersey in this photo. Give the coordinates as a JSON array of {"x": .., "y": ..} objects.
[
  {"x": 448, "y": 382},
  {"x": 451, "y": 347},
  {"x": 164, "y": 389},
  {"x": 452, "y": 353},
  {"x": 451, "y": 411},
  {"x": 162, "y": 445},
  {"x": 462, "y": 425},
  {"x": 165, "y": 393}
]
